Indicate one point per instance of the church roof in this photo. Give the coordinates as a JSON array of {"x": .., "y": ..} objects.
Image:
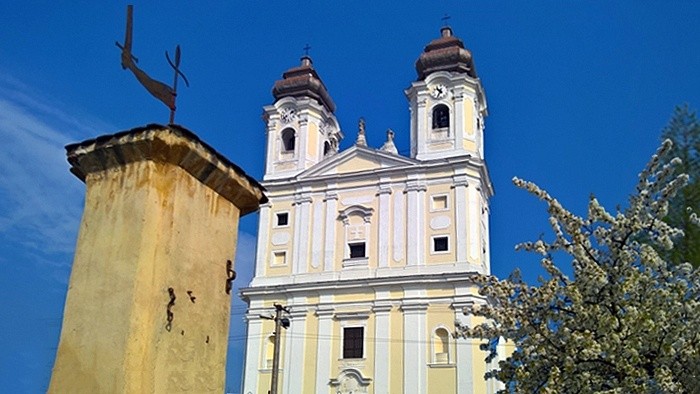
[
  {"x": 357, "y": 159},
  {"x": 446, "y": 53},
  {"x": 303, "y": 81}
]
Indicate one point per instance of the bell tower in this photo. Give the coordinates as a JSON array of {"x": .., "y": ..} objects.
[
  {"x": 447, "y": 102},
  {"x": 301, "y": 126}
]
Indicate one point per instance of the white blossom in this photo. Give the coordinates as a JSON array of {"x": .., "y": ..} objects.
[{"x": 627, "y": 322}]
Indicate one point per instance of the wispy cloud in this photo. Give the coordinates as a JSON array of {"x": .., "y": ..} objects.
[{"x": 41, "y": 201}]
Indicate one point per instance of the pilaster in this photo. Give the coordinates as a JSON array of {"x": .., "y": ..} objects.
[
  {"x": 384, "y": 224},
  {"x": 331, "y": 200},
  {"x": 459, "y": 186},
  {"x": 323, "y": 353},
  {"x": 414, "y": 363},
  {"x": 252, "y": 354},
  {"x": 300, "y": 260},
  {"x": 261, "y": 255},
  {"x": 295, "y": 351},
  {"x": 382, "y": 340},
  {"x": 415, "y": 226}
]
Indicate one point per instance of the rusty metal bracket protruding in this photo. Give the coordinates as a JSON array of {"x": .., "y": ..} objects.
[
  {"x": 169, "y": 312},
  {"x": 230, "y": 276}
]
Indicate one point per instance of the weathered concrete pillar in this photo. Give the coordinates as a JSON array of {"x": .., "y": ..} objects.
[{"x": 147, "y": 309}]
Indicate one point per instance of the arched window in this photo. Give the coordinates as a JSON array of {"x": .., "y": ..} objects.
[
  {"x": 441, "y": 116},
  {"x": 326, "y": 148},
  {"x": 441, "y": 346},
  {"x": 288, "y": 140}
]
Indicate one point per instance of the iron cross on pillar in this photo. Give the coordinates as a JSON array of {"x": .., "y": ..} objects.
[{"x": 178, "y": 74}]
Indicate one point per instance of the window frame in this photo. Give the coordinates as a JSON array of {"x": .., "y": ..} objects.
[
  {"x": 286, "y": 141},
  {"x": 433, "y": 238},
  {"x": 355, "y": 347},
  {"x": 273, "y": 259},
  {"x": 277, "y": 217},
  {"x": 435, "y": 126},
  {"x": 357, "y": 243},
  {"x": 432, "y": 201}
]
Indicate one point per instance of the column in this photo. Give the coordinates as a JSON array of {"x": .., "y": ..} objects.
[
  {"x": 382, "y": 334},
  {"x": 474, "y": 218},
  {"x": 331, "y": 200},
  {"x": 464, "y": 359},
  {"x": 414, "y": 348},
  {"x": 261, "y": 258},
  {"x": 384, "y": 225},
  {"x": 421, "y": 127},
  {"x": 294, "y": 368},
  {"x": 415, "y": 226},
  {"x": 317, "y": 255},
  {"x": 253, "y": 349},
  {"x": 399, "y": 230},
  {"x": 487, "y": 237},
  {"x": 460, "y": 189},
  {"x": 460, "y": 123},
  {"x": 302, "y": 205},
  {"x": 302, "y": 141},
  {"x": 272, "y": 146},
  {"x": 323, "y": 351}
]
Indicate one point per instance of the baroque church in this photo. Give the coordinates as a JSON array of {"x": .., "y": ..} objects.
[{"x": 372, "y": 251}]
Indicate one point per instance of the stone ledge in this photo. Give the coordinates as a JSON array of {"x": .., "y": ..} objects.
[{"x": 168, "y": 144}]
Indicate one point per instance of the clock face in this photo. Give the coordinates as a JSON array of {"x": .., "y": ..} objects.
[
  {"x": 287, "y": 115},
  {"x": 439, "y": 91}
]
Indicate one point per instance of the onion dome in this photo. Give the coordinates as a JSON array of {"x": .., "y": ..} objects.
[
  {"x": 303, "y": 81},
  {"x": 446, "y": 53}
]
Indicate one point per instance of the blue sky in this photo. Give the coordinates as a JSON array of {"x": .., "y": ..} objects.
[{"x": 577, "y": 92}]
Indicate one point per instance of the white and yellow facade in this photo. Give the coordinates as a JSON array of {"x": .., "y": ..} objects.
[{"x": 372, "y": 251}]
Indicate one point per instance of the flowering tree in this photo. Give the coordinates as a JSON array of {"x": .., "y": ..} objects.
[
  {"x": 626, "y": 322},
  {"x": 684, "y": 131}
]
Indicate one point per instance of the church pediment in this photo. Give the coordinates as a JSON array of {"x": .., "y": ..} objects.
[{"x": 357, "y": 159}]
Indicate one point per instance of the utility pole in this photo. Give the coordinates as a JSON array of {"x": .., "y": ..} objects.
[{"x": 280, "y": 321}]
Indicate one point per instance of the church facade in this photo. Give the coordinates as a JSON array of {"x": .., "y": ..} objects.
[{"x": 371, "y": 251}]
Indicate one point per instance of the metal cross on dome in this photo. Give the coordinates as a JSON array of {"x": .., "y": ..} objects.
[
  {"x": 445, "y": 19},
  {"x": 306, "y": 50}
]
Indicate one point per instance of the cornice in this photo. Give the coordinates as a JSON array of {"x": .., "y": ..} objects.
[{"x": 318, "y": 284}]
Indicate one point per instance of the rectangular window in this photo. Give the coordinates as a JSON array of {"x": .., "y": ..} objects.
[
  {"x": 439, "y": 203},
  {"x": 279, "y": 258},
  {"x": 357, "y": 250},
  {"x": 353, "y": 342},
  {"x": 441, "y": 244},
  {"x": 282, "y": 219}
]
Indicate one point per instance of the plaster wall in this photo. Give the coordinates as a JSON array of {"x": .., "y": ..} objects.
[{"x": 147, "y": 227}]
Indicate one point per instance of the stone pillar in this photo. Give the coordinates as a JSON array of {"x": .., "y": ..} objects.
[
  {"x": 382, "y": 336},
  {"x": 461, "y": 219},
  {"x": 261, "y": 251},
  {"x": 147, "y": 309},
  {"x": 415, "y": 226},
  {"x": 384, "y": 194},
  {"x": 464, "y": 357},
  {"x": 254, "y": 349},
  {"x": 414, "y": 348},
  {"x": 331, "y": 200},
  {"x": 300, "y": 254},
  {"x": 323, "y": 350},
  {"x": 293, "y": 367}
]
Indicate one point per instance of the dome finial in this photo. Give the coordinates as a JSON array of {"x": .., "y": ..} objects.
[
  {"x": 445, "y": 30},
  {"x": 305, "y": 58}
]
